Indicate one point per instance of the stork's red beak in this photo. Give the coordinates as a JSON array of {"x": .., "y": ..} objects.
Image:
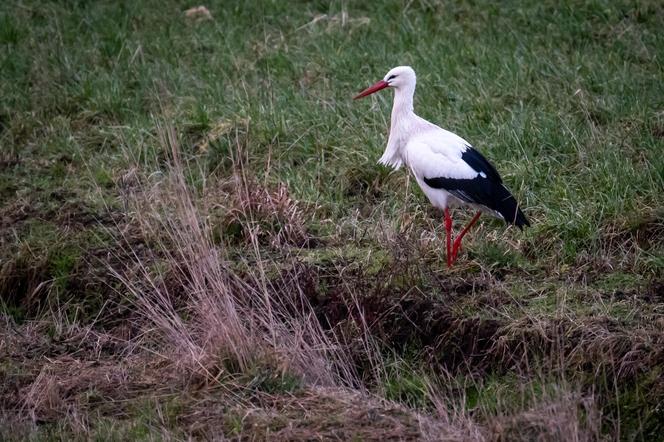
[{"x": 382, "y": 84}]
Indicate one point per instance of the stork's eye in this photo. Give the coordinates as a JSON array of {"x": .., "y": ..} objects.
[{"x": 391, "y": 77}]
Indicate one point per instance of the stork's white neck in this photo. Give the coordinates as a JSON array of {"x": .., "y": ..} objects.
[
  {"x": 403, "y": 118},
  {"x": 402, "y": 107}
]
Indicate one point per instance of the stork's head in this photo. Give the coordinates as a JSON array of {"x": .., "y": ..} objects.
[{"x": 400, "y": 77}]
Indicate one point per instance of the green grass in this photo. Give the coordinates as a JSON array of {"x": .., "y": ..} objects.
[{"x": 566, "y": 99}]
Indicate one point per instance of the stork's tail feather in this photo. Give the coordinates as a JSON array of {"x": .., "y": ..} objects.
[{"x": 508, "y": 207}]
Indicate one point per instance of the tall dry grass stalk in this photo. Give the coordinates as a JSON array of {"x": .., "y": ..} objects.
[{"x": 211, "y": 315}]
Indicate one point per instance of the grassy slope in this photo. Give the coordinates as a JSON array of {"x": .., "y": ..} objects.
[{"x": 565, "y": 99}]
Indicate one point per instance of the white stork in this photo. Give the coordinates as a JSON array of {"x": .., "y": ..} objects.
[{"x": 447, "y": 168}]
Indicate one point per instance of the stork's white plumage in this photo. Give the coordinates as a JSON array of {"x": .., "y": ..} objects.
[{"x": 447, "y": 168}]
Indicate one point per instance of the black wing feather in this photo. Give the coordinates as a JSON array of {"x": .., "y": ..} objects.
[{"x": 477, "y": 161}]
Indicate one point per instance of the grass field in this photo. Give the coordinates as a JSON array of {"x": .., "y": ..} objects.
[{"x": 196, "y": 240}]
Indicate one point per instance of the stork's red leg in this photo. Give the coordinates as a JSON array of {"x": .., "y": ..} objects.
[
  {"x": 448, "y": 236},
  {"x": 457, "y": 241}
]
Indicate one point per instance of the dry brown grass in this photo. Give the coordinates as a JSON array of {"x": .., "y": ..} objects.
[
  {"x": 71, "y": 386},
  {"x": 599, "y": 346},
  {"x": 267, "y": 214},
  {"x": 325, "y": 414},
  {"x": 23, "y": 279},
  {"x": 569, "y": 417}
]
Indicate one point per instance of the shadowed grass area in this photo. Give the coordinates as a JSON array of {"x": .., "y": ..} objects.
[{"x": 565, "y": 98}]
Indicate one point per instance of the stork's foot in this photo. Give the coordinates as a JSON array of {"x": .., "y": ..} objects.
[{"x": 456, "y": 248}]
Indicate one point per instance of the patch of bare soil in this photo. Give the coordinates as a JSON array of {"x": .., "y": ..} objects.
[{"x": 23, "y": 281}]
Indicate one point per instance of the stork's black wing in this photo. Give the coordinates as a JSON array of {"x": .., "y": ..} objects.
[{"x": 485, "y": 189}]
